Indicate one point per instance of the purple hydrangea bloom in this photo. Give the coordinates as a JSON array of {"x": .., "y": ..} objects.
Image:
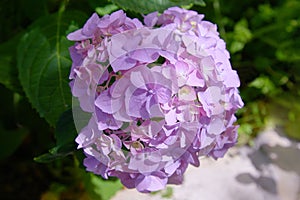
[{"x": 160, "y": 95}]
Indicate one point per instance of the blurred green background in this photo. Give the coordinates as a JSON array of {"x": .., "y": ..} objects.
[{"x": 262, "y": 36}]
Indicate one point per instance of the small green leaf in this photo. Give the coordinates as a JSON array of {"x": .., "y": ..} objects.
[
  {"x": 98, "y": 188},
  {"x": 153, "y": 5},
  {"x": 264, "y": 84},
  {"x": 241, "y": 35},
  {"x": 106, "y": 9},
  {"x": 44, "y": 64},
  {"x": 199, "y": 3},
  {"x": 168, "y": 193},
  {"x": 56, "y": 153}
]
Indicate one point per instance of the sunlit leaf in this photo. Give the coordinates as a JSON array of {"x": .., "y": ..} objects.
[
  {"x": 99, "y": 188},
  {"x": 106, "y": 9},
  {"x": 240, "y": 36},
  {"x": 44, "y": 64},
  {"x": 264, "y": 84},
  {"x": 153, "y": 5}
]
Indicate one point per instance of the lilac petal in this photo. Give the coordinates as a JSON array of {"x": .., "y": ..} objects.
[
  {"x": 122, "y": 115},
  {"x": 151, "y": 182},
  {"x": 104, "y": 77},
  {"x": 175, "y": 179},
  {"x": 88, "y": 134},
  {"x": 118, "y": 56},
  {"x": 144, "y": 55},
  {"x": 213, "y": 94},
  {"x": 187, "y": 93},
  {"x": 90, "y": 25},
  {"x": 119, "y": 87},
  {"x": 95, "y": 166},
  {"x": 155, "y": 127},
  {"x": 135, "y": 103},
  {"x": 146, "y": 107},
  {"x": 170, "y": 169},
  {"x": 231, "y": 79},
  {"x": 114, "y": 50},
  {"x": 170, "y": 117},
  {"x": 221, "y": 57},
  {"x": 76, "y": 59},
  {"x": 135, "y": 40},
  {"x": 195, "y": 80},
  {"x": 194, "y": 159},
  {"x": 115, "y": 18},
  {"x": 181, "y": 67},
  {"x": 156, "y": 112},
  {"x": 86, "y": 103},
  {"x": 127, "y": 179},
  {"x": 123, "y": 63},
  {"x": 136, "y": 24},
  {"x": 177, "y": 176},
  {"x": 77, "y": 36},
  {"x": 216, "y": 126},
  {"x": 118, "y": 15},
  {"x": 151, "y": 19},
  {"x": 107, "y": 121},
  {"x": 139, "y": 162},
  {"x": 87, "y": 31},
  {"x": 117, "y": 142},
  {"x": 205, "y": 139},
  {"x": 107, "y": 104},
  {"x": 137, "y": 79},
  {"x": 163, "y": 95}
]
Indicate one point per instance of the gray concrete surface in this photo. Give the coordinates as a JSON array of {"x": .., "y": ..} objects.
[{"x": 270, "y": 170}]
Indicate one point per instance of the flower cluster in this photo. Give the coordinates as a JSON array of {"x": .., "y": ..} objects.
[{"x": 160, "y": 95}]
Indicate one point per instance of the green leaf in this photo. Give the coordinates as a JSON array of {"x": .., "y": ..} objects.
[
  {"x": 65, "y": 135},
  {"x": 285, "y": 112},
  {"x": 167, "y": 193},
  {"x": 10, "y": 140},
  {"x": 199, "y": 3},
  {"x": 107, "y": 9},
  {"x": 8, "y": 65},
  {"x": 97, "y": 188},
  {"x": 153, "y": 5},
  {"x": 264, "y": 84},
  {"x": 44, "y": 64},
  {"x": 65, "y": 132},
  {"x": 241, "y": 35}
]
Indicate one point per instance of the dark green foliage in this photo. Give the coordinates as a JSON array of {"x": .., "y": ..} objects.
[
  {"x": 263, "y": 38},
  {"x": 153, "y": 5}
]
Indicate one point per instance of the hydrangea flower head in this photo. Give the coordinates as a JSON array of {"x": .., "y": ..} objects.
[{"x": 160, "y": 95}]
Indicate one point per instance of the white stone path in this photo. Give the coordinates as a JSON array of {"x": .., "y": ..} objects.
[{"x": 268, "y": 171}]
